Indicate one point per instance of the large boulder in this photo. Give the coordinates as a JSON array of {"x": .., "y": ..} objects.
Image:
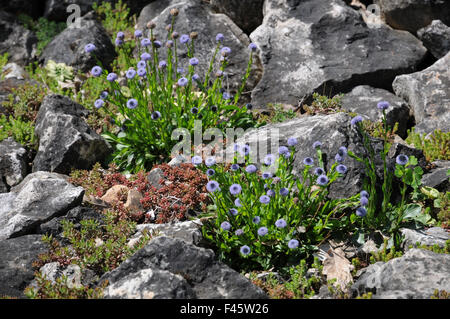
[
  {"x": 428, "y": 94},
  {"x": 363, "y": 100},
  {"x": 18, "y": 42},
  {"x": 411, "y": 15},
  {"x": 436, "y": 38},
  {"x": 40, "y": 197},
  {"x": 68, "y": 46},
  {"x": 333, "y": 131},
  {"x": 13, "y": 162},
  {"x": 65, "y": 140},
  {"x": 428, "y": 237},
  {"x": 325, "y": 46},
  {"x": 172, "y": 268},
  {"x": 437, "y": 177},
  {"x": 247, "y": 14},
  {"x": 196, "y": 15},
  {"x": 16, "y": 271},
  {"x": 417, "y": 274}
]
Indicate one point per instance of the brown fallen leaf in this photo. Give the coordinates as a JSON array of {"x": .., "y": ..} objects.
[{"x": 336, "y": 266}]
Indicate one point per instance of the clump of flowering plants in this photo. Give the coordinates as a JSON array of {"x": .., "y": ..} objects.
[
  {"x": 270, "y": 217},
  {"x": 161, "y": 95}
]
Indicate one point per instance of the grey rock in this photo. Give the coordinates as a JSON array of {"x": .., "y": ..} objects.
[
  {"x": 65, "y": 140},
  {"x": 325, "y": 46},
  {"x": 53, "y": 271},
  {"x": 207, "y": 277},
  {"x": 13, "y": 70},
  {"x": 13, "y": 162},
  {"x": 196, "y": 15},
  {"x": 411, "y": 15},
  {"x": 247, "y": 14},
  {"x": 155, "y": 176},
  {"x": 150, "y": 284},
  {"x": 176, "y": 161},
  {"x": 16, "y": 271},
  {"x": 428, "y": 237},
  {"x": 437, "y": 177},
  {"x": 37, "y": 199},
  {"x": 189, "y": 231},
  {"x": 414, "y": 275},
  {"x": 363, "y": 100},
  {"x": 436, "y": 38},
  {"x": 18, "y": 42},
  {"x": 68, "y": 46},
  {"x": 428, "y": 95}
]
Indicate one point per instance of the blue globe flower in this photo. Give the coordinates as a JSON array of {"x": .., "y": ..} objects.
[
  {"x": 193, "y": 61},
  {"x": 239, "y": 232},
  {"x": 252, "y": 46},
  {"x": 162, "y": 64},
  {"x": 237, "y": 202},
  {"x": 132, "y": 103},
  {"x": 131, "y": 73},
  {"x": 293, "y": 243},
  {"x": 141, "y": 72},
  {"x": 317, "y": 144},
  {"x": 264, "y": 199},
  {"x": 269, "y": 159},
  {"x": 225, "y": 226},
  {"x": 111, "y": 77},
  {"x": 292, "y": 141},
  {"x": 138, "y": 33},
  {"x": 308, "y": 161},
  {"x": 283, "y": 150},
  {"x": 319, "y": 171},
  {"x": 104, "y": 95},
  {"x": 233, "y": 211},
  {"x": 342, "y": 169},
  {"x": 251, "y": 168},
  {"x": 120, "y": 35},
  {"x": 89, "y": 47},
  {"x": 96, "y": 71},
  {"x": 235, "y": 189},
  {"x": 284, "y": 191},
  {"x": 271, "y": 193},
  {"x": 145, "y": 56},
  {"x": 234, "y": 167},
  {"x": 155, "y": 115},
  {"x": 220, "y": 37},
  {"x": 256, "y": 220},
  {"x": 281, "y": 223},
  {"x": 196, "y": 160},
  {"x": 145, "y": 42},
  {"x": 225, "y": 51},
  {"x": 98, "y": 103},
  {"x": 196, "y": 77},
  {"x": 212, "y": 186},
  {"x": 184, "y": 38},
  {"x": 245, "y": 250},
  {"x": 361, "y": 212},
  {"x": 322, "y": 180},
  {"x": 210, "y": 161},
  {"x": 364, "y": 194},
  {"x": 157, "y": 44},
  {"x": 364, "y": 201},
  {"x": 356, "y": 120},
  {"x": 118, "y": 42},
  {"x": 183, "y": 81},
  {"x": 383, "y": 105},
  {"x": 266, "y": 175},
  {"x": 262, "y": 231},
  {"x": 402, "y": 159},
  {"x": 210, "y": 172},
  {"x": 141, "y": 64}
]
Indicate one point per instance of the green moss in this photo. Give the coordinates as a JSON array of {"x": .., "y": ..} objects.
[
  {"x": 385, "y": 254},
  {"x": 322, "y": 104},
  {"x": 435, "y": 146},
  {"x": 3, "y": 62}
]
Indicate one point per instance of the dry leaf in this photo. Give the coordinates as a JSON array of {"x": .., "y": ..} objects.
[{"x": 336, "y": 266}]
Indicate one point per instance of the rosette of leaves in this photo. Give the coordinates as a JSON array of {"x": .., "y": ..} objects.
[{"x": 59, "y": 71}]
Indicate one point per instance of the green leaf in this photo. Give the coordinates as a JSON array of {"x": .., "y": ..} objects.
[
  {"x": 412, "y": 211},
  {"x": 412, "y": 160},
  {"x": 430, "y": 192}
]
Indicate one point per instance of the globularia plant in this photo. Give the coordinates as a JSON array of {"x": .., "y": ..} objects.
[
  {"x": 161, "y": 95},
  {"x": 267, "y": 216}
]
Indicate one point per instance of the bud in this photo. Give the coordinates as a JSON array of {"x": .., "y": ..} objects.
[
  {"x": 175, "y": 35},
  {"x": 193, "y": 35},
  {"x": 153, "y": 39},
  {"x": 174, "y": 12},
  {"x": 168, "y": 27},
  {"x": 151, "y": 25}
]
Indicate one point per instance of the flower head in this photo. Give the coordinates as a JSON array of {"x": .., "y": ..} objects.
[
  {"x": 402, "y": 159},
  {"x": 245, "y": 250},
  {"x": 212, "y": 186},
  {"x": 317, "y": 144},
  {"x": 338, "y": 158},
  {"x": 225, "y": 226},
  {"x": 145, "y": 42},
  {"x": 225, "y": 51},
  {"x": 120, "y": 35},
  {"x": 196, "y": 160},
  {"x": 180, "y": 70},
  {"x": 226, "y": 96},
  {"x": 308, "y": 161},
  {"x": 220, "y": 37},
  {"x": 96, "y": 71},
  {"x": 256, "y": 220},
  {"x": 210, "y": 161},
  {"x": 237, "y": 202},
  {"x": 364, "y": 194},
  {"x": 264, "y": 199},
  {"x": 142, "y": 72},
  {"x": 193, "y": 61},
  {"x": 292, "y": 141},
  {"x": 235, "y": 189},
  {"x": 364, "y": 201},
  {"x": 141, "y": 64},
  {"x": 145, "y": 56},
  {"x": 132, "y": 103},
  {"x": 239, "y": 232},
  {"x": 184, "y": 38},
  {"x": 195, "y": 77},
  {"x": 157, "y": 44},
  {"x": 252, "y": 46},
  {"x": 251, "y": 168},
  {"x": 341, "y": 168},
  {"x": 269, "y": 159},
  {"x": 155, "y": 115},
  {"x": 383, "y": 105},
  {"x": 210, "y": 172},
  {"x": 162, "y": 64},
  {"x": 271, "y": 193},
  {"x": 266, "y": 175},
  {"x": 262, "y": 231},
  {"x": 244, "y": 150},
  {"x": 118, "y": 42},
  {"x": 361, "y": 212},
  {"x": 284, "y": 191},
  {"x": 319, "y": 171},
  {"x": 183, "y": 81},
  {"x": 356, "y": 120},
  {"x": 342, "y": 151},
  {"x": 233, "y": 211},
  {"x": 194, "y": 110},
  {"x": 111, "y": 77},
  {"x": 131, "y": 73},
  {"x": 89, "y": 47},
  {"x": 322, "y": 180},
  {"x": 280, "y": 223},
  {"x": 104, "y": 95},
  {"x": 283, "y": 150},
  {"x": 138, "y": 33},
  {"x": 234, "y": 167},
  {"x": 293, "y": 243},
  {"x": 98, "y": 103}
]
